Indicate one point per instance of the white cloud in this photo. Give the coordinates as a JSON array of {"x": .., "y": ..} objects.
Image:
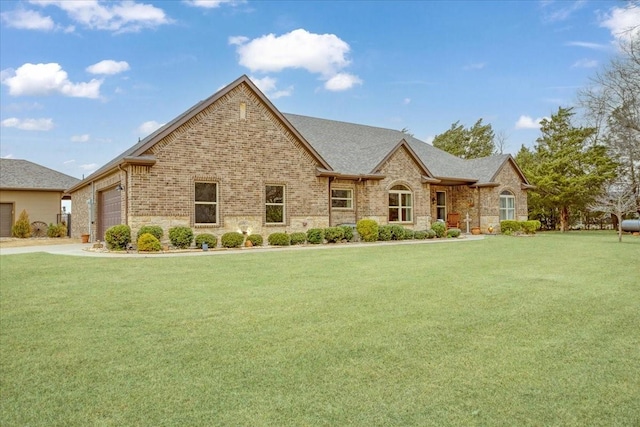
[
  {"x": 108, "y": 66},
  {"x": 148, "y": 127},
  {"x": 324, "y": 54},
  {"x": 89, "y": 167},
  {"x": 121, "y": 16},
  {"x": 588, "y": 45},
  {"x": 8, "y": 156},
  {"x": 526, "y": 122},
  {"x": 27, "y": 20},
  {"x": 585, "y": 63},
  {"x": 47, "y": 79},
  {"x": 623, "y": 22},
  {"x": 475, "y": 66},
  {"x": 406, "y": 101},
  {"x": 561, "y": 11},
  {"x": 269, "y": 87},
  {"x": 28, "y": 124},
  {"x": 342, "y": 81},
  {"x": 211, "y": 4},
  {"x": 80, "y": 138}
]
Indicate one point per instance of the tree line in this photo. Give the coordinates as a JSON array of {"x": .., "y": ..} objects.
[{"x": 592, "y": 169}]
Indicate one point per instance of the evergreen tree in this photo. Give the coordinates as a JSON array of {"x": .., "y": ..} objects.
[
  {"x": 472, "y": 143},
  {"x": 566, "y": 168}
]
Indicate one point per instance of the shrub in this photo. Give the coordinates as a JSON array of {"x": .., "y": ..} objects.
[
  {"x": 279, "y": 239},
  {"x": 232, "y": 239},
  {"x": 397, "y": 232},
  {"x": 315, "y": 236},
  {"x": 118, "y": 237},
  {"x": 348, "y": 232},
  {"x": 384, "y": 233},
  {"x": 209, "y": 239},
  {"x": 454, "y": 232},
  {"x": 409, "y": 234},
  {"x": 333, "y": 234},
  {"x": 509, "y": 226},
  {"x": 439, "y": 228},
  {"x": 431, "y": 234},
  {"x": 154, "y": 230},
  {"x": 531, "y": 226},
  {"x": 147, "y": 242},
  {"x": 298, "y": 238},
  {"x": 368, "y": 230},
  {"x": 255, "y": 239},
  {"x": 181, "y": 237},
  {"x": 57, "y": 230},
  {"x": 420, "y": 234},
  {"x": 22, "y": 228}
]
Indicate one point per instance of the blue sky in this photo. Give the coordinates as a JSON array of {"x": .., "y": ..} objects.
[{"x": 82, "y": 81}]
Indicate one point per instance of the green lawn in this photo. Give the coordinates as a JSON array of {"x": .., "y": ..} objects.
[{"x": 507, "y": 331}]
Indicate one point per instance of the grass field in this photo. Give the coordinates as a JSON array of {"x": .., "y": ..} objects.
[{"x": 505, "y": 331}]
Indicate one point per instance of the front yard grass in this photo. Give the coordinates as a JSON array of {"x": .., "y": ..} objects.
[{"x": 502, "y": 331}]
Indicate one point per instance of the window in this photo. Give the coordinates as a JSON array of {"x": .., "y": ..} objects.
[
  {"x": 342, "y": 198},
  {"x": 441, "y": 205},
  {"x": 507, "y": 206},
  {"x": 206, "y": 203},
  {"x": 400, "y": 204},
  {"x": 274, "y": 204}
]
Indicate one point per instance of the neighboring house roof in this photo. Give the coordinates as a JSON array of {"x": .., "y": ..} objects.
[
  {"x": 340, "y": 148},
  {"x": 17, "y": 174}
]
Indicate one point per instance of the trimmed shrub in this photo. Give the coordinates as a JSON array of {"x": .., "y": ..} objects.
[
  {"x": 333, "y": 234},
  {"x": 348, "y": 232},
  {"x": 255, "y": 239},
  {"x": 420, "y": 234},
  {"x": 57, "y": 230},
  {"x": 298, "y": 238},
  {"x": 531, "y": 226},
  {"x": 209, "y": 239},
  {"x": 397, "y": 232},
  {"x": 232, "y": 239},
  {"x": 368, "y": 230},
  {"x": 315, "y": 236},
  {"x": 279, "y": 239},
  {"x": 147, "y": 242},
  {"x": 181, "y": 237},
  {"x": 22, "y": 228},
  {"x": 453, "y": 232},
  {"x": 384, "y": 233},
  {"x": 431, "y": 234},
  {"x": 155, "y": 230},
  {"x": 409, "y": 234},
  {"x": 118, "y": 237},
  {"x": 509, "y": 226},
  {"x": 439, "y": 228}
]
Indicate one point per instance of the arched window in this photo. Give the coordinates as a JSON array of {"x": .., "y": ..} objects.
[
  {"x": 507, "y": 206},
  {"x": 400, "y": 204}
]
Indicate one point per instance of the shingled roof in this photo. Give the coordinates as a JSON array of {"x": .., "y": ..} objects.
[{"x": 17, "y": 174}]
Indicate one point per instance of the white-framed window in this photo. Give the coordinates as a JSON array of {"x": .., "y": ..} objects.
[
  {"x": 507, "y": 206},
  {"x": 342, "y": 198},
  {"x": 274, "y": 204},
  {"x": 206, "y": 203},
  {"x": 441, "y": 205},
  {"x": 400, "y": 204}
]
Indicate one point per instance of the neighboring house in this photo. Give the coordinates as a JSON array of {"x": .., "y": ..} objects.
[
  {"x": 234, "y": 162},
  {"x": 27, "y": 186}
]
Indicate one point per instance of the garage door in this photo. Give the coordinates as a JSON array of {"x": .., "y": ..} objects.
[
  {"x": 109, "y": 211},
  {"x": 6, "y": 219}
]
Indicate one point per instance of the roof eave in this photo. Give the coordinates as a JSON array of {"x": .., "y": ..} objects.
[{"x": 351, "y": 177}]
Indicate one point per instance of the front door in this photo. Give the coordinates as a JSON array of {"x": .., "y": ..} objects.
[{"x": 6, "y": 219}]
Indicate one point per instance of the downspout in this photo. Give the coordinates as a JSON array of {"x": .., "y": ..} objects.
[
  {"x": 126, "y": 195},
  {"x": 329, "y": 195},
  {"x": 92, "y": 203},
  {"x": 479, "y": 209}
]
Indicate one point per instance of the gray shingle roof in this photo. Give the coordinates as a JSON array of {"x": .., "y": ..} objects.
[{"x": 24, "y": 175}]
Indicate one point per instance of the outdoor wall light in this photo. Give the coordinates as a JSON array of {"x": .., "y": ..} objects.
[{"x": 120, "y": 187}]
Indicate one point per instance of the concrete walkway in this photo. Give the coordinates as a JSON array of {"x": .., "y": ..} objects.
[{"x": 83, "y": 249}]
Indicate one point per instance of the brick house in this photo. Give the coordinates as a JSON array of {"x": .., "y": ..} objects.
[{"x": 234, "y": 162}]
